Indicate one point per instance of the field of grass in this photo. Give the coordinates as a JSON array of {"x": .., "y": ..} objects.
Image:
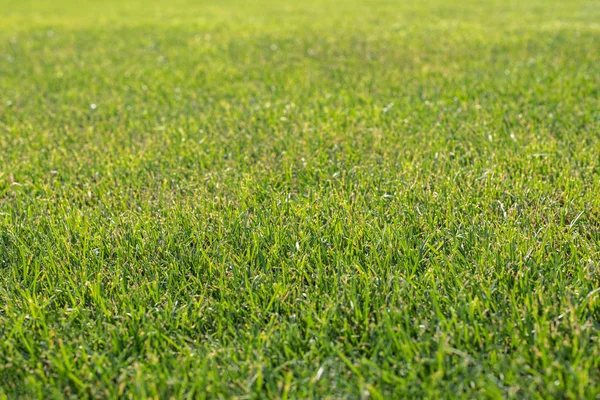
[{"x": 295, "y": 199}]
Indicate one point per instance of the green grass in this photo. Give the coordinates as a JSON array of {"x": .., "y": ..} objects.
[{"x": 295, "y": 199}]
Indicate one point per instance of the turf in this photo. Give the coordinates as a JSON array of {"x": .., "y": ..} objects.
[{"x": 295, "y": 199}]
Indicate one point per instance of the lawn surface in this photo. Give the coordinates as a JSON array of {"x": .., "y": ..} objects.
[{"x": 300, "y": 198}]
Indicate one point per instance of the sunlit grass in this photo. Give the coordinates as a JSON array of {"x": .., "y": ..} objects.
[{"x": 299, "y": 199}]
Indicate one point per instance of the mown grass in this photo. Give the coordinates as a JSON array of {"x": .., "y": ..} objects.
[{"x": 300, "y": 199}]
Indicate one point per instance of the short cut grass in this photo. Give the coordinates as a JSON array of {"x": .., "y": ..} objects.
[{"x": 295, "y": 199}]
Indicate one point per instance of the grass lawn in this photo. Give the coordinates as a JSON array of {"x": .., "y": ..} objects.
[{"x": 298, "y": 199}]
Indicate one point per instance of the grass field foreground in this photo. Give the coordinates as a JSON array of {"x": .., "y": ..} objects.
[{"x": 295, "y": 199}]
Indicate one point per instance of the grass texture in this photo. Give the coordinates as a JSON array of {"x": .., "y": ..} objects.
[{"x": 300, "y": 199}]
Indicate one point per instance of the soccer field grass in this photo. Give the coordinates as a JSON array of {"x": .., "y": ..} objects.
[{"x": 299, "y": 199}]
